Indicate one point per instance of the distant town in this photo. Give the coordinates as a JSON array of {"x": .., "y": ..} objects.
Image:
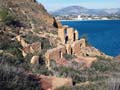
[{"x": 87, "y": 17}]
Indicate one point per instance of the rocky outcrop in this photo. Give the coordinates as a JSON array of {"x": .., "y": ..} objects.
[
  {"x": 28, "y": 48},
  {"x": 51, "y": 82},
  {"x": 32, "y": 48},
  {"x": 21, "y": 40}
]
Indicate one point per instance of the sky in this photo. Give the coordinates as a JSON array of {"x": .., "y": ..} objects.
[{"x": 52, "y": 5}]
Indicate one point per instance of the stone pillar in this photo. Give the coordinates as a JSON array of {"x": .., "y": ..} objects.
[
  {"x": 70, "y": 32},
  {"x": 76, "y": 35},
  {"x": 61, "y": 34}
]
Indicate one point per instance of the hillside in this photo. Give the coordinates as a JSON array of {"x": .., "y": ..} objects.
[
  {"x": 25, "y": 26},
  {"x": 78, "y": 10},
  {"x": 38, "y": 53},
  {"x": 26, "y": 18}
]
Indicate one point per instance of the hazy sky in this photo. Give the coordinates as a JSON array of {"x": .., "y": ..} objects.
[{"x": 52, "y": 5}]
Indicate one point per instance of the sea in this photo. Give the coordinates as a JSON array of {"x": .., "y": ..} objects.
[{"x": 102, "y": 34}]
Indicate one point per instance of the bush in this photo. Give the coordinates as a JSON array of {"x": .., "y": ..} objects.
[
  {"x": 12, "y": 78},
  {"x": 9, "y": 19},
  {"x": 6, "y": 17},
  {"x": 102, "y": 66}
]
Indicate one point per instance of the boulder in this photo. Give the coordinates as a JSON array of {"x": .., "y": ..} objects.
[{"x": 35, "y": 60}]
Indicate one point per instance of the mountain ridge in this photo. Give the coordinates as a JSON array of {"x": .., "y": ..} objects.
[{"x": 77, "y": 10}]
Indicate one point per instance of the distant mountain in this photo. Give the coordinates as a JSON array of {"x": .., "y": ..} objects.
[{"x": 78, "y": 10}]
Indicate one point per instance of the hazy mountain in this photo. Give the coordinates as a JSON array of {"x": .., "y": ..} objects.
[{"x": 77, "y": 10}]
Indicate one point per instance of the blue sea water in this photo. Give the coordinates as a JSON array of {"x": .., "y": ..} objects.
[{"x": 102, "y": 34}]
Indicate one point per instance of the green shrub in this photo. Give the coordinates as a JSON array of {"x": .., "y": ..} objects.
[
  {"x": 6, "y": 17},
  {"x": 102, "y": 66}
]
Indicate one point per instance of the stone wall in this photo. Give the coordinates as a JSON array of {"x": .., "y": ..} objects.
[
  {"x": 76, "y": 35},
  {"x": 70, "y": 33},
  {"x": 68, "y": 49},
  {"x": 28, "y": 48},
  {"x": 67, "y": 34},
  {"x": 72, "y": 46},
  {"x": 55, "y": 54},
  {"x": 61, "y": 34},
  {"x": 51, "y": 83},
  {"x": 78, "y": 46}
]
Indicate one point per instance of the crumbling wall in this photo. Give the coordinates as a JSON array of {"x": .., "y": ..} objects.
[
  {"x": 61, "y": 34},
  {"x": 78, "y": 46},
  {"x": 68, "y": 49},
  {"x": 31, "y": 48},
  {"x": 67, "y": 34},
  {"x": 51, "y": 83},
  {"x": 70, "y": 33},
  {"x": 76, "y": 35},
  {"x": 55, "y": 54}
]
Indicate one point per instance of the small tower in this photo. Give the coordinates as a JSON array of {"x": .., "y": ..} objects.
[
  {"x": 76, "y": 35},
  {"x": 70, "y": 32},
  {"x": 61, "y": 34}
]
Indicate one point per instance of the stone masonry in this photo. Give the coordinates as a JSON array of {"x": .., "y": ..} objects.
[{"x": 55, "y": 54}]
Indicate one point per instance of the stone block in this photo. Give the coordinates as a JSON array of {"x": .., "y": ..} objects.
[{"x": 35, "y": 60}]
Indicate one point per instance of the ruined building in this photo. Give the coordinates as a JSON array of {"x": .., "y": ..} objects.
[
  {"x": 70, "y": 44},
  {"x": 67, "y": 34}
]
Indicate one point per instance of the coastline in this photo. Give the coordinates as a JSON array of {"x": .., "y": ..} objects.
[
  {"x": 105, "y": 41},
  {"x": 88, "y": 20}
]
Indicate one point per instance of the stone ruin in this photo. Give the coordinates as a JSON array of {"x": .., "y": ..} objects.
[
  {"x": 53, "y": 82},
  {"x": 28, "y": 48},
  {"x": 71, "y": 45},
  {"x": 67, "y": 34}
]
